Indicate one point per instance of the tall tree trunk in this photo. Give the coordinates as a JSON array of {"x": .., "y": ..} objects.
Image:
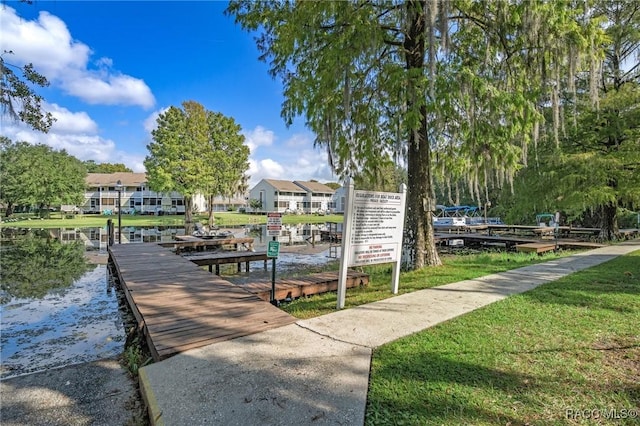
[
  {"x": 420, "y": 203},
  {"x": 188, "y": 215},
  {"x": 9, "y": 210},
  {"x": 212, "y": 220},
  {"x": 608, "y": 221}
]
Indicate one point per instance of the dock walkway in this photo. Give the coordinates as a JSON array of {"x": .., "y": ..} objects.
[{"x": 181, "y": 306}]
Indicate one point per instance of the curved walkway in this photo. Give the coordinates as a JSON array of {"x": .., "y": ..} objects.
[{"x": 316, "y": 371}]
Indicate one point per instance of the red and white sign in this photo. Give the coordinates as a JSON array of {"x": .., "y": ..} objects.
[{"x": 274, "y": 224}]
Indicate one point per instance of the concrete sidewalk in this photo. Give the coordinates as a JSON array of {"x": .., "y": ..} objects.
[{"x": 316, "y": 371}]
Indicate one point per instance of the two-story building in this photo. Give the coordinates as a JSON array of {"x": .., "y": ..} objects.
[
  {"x": 291, "y": 196},
  {"x": 103, "y": 193}
]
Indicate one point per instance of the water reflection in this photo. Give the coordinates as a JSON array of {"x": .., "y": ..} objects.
[
  {"x": 56, "y": 307},
  {"x": 98, "y": 238},
  {"x": 57, "y": 310},
  {"x": 78, "y": 324},
  {"x": 31, "y": 266}
]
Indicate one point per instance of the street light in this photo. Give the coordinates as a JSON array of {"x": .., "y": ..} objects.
[
  {"x": 119, "y": 189},
  {"x": 486, "y": 205}
]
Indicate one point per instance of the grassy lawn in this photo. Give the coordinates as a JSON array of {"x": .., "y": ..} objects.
[
  {"x": 456, "y": 268},
  {"x": 90, "y": 221},
  {"x": 546, "y": 357}
]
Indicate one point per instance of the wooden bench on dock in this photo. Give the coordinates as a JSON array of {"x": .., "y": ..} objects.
[
  {"x": 188, "y": 242},
  {"x": 536, "y": 247},
  {"x": 221, "y": 258}
]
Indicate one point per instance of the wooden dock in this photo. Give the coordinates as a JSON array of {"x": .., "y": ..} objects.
[
  {"x": 471, "y": 239},
  {"x": 291, "y": 288},
  {"x": 180, "y": 306}
]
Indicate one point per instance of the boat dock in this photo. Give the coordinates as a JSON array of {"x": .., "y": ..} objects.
[
  {"x": 509, "y": 241},
  {"x": 180, "y": 306},
  {"x": 291, "y": 288}
]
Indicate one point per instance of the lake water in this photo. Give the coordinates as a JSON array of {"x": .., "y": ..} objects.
[{"x": 56, "y": 309}]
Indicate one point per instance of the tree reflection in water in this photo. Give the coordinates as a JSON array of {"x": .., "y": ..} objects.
[{"x": 31, "y": 265}]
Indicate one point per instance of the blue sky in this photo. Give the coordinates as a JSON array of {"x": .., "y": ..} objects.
[{"x": 113, "y": 66}]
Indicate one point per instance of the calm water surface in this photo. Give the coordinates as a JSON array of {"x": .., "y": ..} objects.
[
  {"x": 77, "y": 324},
  {"x": 56, "y": 309}
]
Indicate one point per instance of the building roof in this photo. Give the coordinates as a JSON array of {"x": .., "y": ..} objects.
[
  {"x": 110, "y": 179},
  {"x": 315, "y": 187},
  {"x": 284, "y": 185}
]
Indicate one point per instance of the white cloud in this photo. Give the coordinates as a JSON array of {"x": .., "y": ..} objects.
[
  {"x": 151, "y": 123},
  {"x": 84, "y": 146},
  {"x": 271, "y": 168},
  {"x": 299, "y": 140},
  {"x": 302, "y": 163},
  {"x": 258, "y": 137},
  {"x": 76, "y": 133},
  {"x": 47, "y": 43},
  {"x": 134, "y": 162},
  {"x": 109, "y": 90},
  {"x": 70, "y": 122}
]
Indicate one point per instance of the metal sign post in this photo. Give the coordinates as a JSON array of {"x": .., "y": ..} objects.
[
  {"x": 274, "y": 227},
  {"x": 273, "y": 249}
]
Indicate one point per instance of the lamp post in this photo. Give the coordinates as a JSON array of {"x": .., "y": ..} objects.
[
  {"x": 119, "y": 189},
  {"x": 486, "y": 205}
]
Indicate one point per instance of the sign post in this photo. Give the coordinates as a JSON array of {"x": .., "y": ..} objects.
[
  {"x": 346, "y": 243},
  {"x": 274, "y": 227}
]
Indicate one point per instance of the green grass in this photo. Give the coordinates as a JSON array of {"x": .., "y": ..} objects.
[
  {"x": 456, "y": 268},
  {"x": 573, "y": 344},
  {"x": 91, "y": 221}
]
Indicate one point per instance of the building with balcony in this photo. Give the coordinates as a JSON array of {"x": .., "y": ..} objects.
[
  {"x": 102, "y": 196},
  {"x": 291, "y": 196}
]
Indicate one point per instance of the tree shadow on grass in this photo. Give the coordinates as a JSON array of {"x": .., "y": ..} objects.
[
  {"x": 429, "y": 388},
  {"x": 596, "y": 289}
]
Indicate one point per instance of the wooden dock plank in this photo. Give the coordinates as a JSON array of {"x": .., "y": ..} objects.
[
  {"x": 322, "y": 282},
  {"x": 181, "y": 306}
]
